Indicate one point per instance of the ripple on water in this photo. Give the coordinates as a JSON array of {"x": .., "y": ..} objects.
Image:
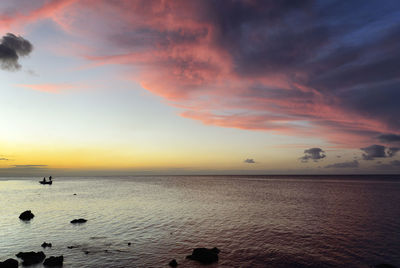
[{"x": 280, "y": 222}]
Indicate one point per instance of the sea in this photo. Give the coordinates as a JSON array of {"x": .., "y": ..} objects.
[{"x": 255, "y": 221}]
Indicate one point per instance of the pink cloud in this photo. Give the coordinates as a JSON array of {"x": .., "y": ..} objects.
[
  {"x": 48, "y": 88},
  {"x": 183, "y": 52},
  {"x": 32, "y": 12}
]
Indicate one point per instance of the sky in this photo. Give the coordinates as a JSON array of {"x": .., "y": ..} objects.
[{"x": 199, "y": 87}]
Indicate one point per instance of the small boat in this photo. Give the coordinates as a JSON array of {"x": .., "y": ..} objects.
[{"x": 46, "y": 182}]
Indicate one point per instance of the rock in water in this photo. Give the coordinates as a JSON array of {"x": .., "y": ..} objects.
[
  {"x": 204, "y": 255},
  {"x": 30, "y": 258},
  {"x": 26, "y": 215},
  {"x": 54, "y": 261},
  {"x": 45, "y": 245},
  {"x": 173, "y": 263},
  {"x": 9, "y": 263},
  {"x": 79, "y": 221}
]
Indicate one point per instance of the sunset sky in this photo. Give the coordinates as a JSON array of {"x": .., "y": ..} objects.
[{"x": 97, "y": 87}]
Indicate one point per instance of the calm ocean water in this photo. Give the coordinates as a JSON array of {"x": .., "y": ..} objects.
[{"x": 273, "y": 221}]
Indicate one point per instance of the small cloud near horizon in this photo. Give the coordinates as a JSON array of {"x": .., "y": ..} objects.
[
  {"x": 314, "y": 154},
  {"x": 349, "y": 164},
  {"x": 378, "y": 151},
  {"x": 249, "y": 161},
  {"x": 392, "y": 165}
]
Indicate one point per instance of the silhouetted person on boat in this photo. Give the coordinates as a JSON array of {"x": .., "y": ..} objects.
[
  {"x": 50, "y": 178},
  {"x": 44, "y": 179}
]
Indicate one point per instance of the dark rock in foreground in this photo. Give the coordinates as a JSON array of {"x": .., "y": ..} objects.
[
  {"x": 30, "y": 258},
  {"x": 79, "y": 221},
  {"x": 45, "y": 245},
  {"x": 173, "y": 263},
  {"x": 204, "y": 255},
  {"x": 54, "y": 261},
  {"x": 384, "y": 265},
  {"x": 9, "y": 263},
  {"x": 26, "y": 215}
]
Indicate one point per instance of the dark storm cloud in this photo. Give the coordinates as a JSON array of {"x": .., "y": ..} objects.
[
  {"x": 13, "y": 47},
  {"x": 314, "y": 154},
  {"x": 261, "y": 36},
  {"x": 378, "y": 151},
  {"x": 389, "y": 138},
  {"x": 380, "y": 100},
  {"x": 345, "y": 50},
  {"x": 265, "y": 36},
  {"x": 249, "y": 161},
  {"x": 350, "y": 164}
]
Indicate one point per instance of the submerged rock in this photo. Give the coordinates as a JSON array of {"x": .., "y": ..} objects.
[
  {"x": 26, "y": 215},
  {"x": 31, "y": 257},
  {"x": 54, "y": 261},
  {"x": 45, "y": 245},
  {"x": 9, "y": 263},
  {"x": 79, "y": 220},
  {"x": 173, "y": 263},
  {"x": 204, "y": 255}
]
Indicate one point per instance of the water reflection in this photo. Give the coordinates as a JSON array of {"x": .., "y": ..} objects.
[{"x": 278, "y": 221}]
